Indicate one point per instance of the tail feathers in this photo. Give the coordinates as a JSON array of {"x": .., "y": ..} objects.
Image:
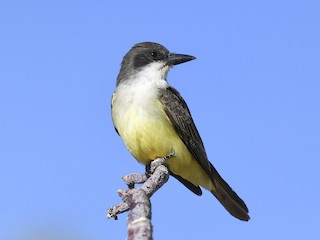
[{"x": 229, "y": 199}]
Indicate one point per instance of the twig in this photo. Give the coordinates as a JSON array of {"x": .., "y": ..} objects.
[{"x": 138, "y": 200}]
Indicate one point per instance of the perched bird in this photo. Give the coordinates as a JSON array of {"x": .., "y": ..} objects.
[{"x": 153, "y": 120}]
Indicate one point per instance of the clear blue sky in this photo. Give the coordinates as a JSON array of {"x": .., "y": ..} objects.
[{"x": 254, "y": 92}]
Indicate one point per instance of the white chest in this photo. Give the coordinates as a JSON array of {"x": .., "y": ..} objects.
[
  {"x": 137, "y": 113},
  {"x": 135, "y": 100}
]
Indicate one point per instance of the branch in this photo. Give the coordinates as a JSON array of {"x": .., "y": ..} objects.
[{"x": 138, "y": 199}]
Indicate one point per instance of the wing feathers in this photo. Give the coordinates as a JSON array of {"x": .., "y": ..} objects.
[{"x": 180, "y": 116}]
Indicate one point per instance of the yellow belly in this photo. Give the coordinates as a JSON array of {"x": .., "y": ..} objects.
[{"x": 150, "y": 135}]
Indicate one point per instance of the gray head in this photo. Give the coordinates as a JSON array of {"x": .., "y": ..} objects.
[{"x": 144, "y": 53}]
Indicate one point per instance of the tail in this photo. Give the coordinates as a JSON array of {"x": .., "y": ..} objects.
[{"x": 228, "y": 198}]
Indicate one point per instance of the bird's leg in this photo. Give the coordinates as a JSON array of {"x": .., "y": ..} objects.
[
  {"x": 148, "y": 170},
  {"x": 136, "y": 178},
  {"x": 158, "y": 162}
]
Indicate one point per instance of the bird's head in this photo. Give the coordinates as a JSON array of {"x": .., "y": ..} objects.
[{"x": 150, "y": 56}]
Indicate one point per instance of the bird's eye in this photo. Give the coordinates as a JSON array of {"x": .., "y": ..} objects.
[{"x": 154, "y": 54}]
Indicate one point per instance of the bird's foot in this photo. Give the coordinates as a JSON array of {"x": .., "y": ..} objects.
[
  {"x": 151, "y": 167},
  {"x": 136, "y": 178}
]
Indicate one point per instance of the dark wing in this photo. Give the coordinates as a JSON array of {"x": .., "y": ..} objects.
[
  {"x": 196, "y": 190},
  {"x": 180, "y": 116}
]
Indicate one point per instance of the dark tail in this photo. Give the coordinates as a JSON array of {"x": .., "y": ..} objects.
[{"x": 228, "y": 198}]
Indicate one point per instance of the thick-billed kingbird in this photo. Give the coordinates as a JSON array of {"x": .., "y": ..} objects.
[{"x": 153, "y": 120}]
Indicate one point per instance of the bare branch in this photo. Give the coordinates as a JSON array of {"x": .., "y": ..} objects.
[{"x": 138, "y": 199}]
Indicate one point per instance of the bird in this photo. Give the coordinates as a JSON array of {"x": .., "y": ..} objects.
[{"x": 154, "y": 120}]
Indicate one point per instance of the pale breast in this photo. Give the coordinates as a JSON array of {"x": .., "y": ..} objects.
[{"x": 141, "y": 121}]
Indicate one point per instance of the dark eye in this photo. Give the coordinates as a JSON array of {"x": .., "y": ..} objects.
[{"x": 154, "y": 54}]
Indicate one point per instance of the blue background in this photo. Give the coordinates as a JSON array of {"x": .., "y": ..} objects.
[{"x": 253, "y": 91}]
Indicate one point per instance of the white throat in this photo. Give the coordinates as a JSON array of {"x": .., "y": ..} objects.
[{"x": 144, "y": 85}]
